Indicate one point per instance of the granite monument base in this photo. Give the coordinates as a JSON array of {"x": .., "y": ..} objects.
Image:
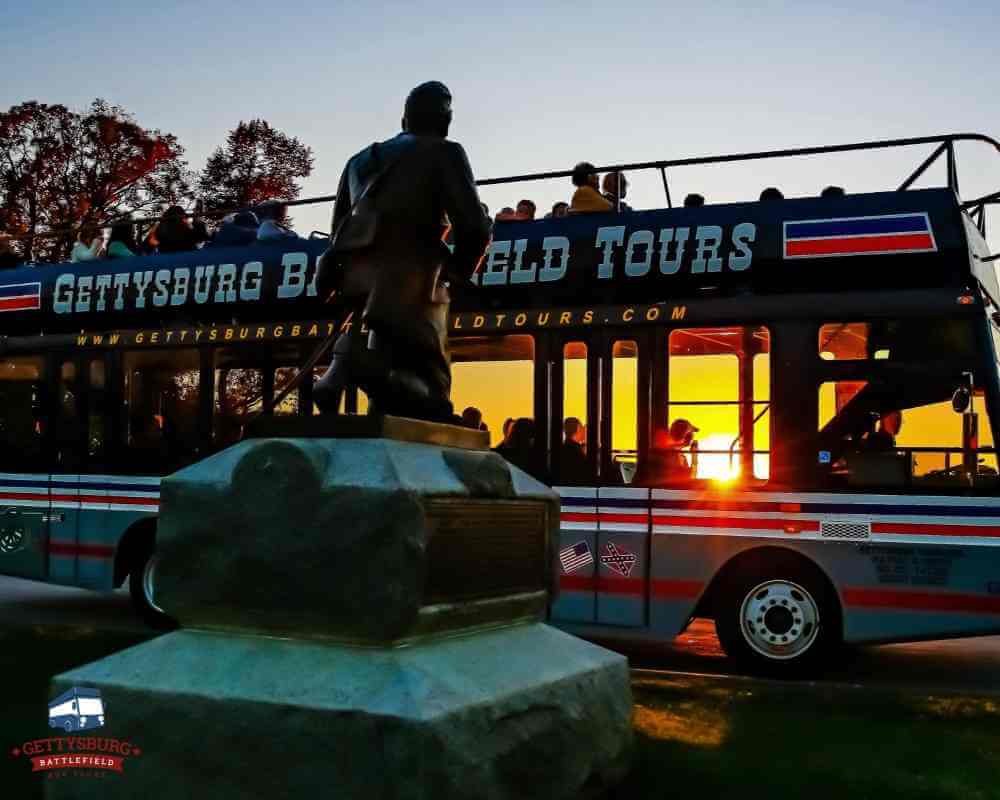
[
  {"x": 520, "y": 712},
  {"x": 361, "y": 618}
]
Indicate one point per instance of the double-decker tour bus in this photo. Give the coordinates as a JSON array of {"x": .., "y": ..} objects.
[{"x": 775, "y": 414}]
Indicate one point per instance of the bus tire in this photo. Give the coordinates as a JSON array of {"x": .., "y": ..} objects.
[
  {"x": 780, "y": 619},
  {"x": 140, "y": 585}
]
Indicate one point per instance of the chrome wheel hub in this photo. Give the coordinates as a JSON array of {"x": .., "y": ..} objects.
[
  {"x": 779, "y": 619},
  {"x": 148, "y": 574}
]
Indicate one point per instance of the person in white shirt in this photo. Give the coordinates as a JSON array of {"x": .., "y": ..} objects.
[
  {"x": 89, "y": 245},
  {"x": 272, "y": 217}
]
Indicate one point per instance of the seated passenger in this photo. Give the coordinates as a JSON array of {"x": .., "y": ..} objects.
[
  {"x": 833, "y": 191},
  {"x": 520, "y": 449},
  {"x": 666, "y": 462},
  {"x": 89, "y": 245},
  {"x": 587, "y": 198},
  {"x": 505, "y": 214},
  {"x": 121, "y": 243},
  {"x": 273, "y": 218},
  {"x": 237, "y": 230},
  {"x": 573, "y": 466},
  {"x": 615, "y": 187},
  {"x": 884, "y": 439},
  {"x": 694, "y": 200},
  {"x": 472, "y": 417},
  {"x": 771, "y": 193},
  {"x": 559, "y": 210},
  {"x": 8, "y": 258},
  {"x": 525, "y": 210},
  {"x": 175, "y": 233}
]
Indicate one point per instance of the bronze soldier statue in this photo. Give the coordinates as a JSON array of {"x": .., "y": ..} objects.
[{"x": 389, "y": 265}]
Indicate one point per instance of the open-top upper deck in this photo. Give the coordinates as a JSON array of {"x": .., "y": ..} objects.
[{"x": 878, "y": 246}]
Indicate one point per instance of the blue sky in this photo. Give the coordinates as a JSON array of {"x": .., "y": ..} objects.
[{"x": 539, "y": 86}]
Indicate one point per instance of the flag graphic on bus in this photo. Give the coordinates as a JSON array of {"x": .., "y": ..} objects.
[
  {"x": 575, "y": 557},
  {"x": 79, "y": 709},
  {"x": 859, "y": 236},
  {"x": 20, "y": 296}
]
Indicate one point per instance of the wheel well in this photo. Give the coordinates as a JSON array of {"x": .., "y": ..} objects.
[
  {"x": 137, "y": 540},
  {"x": 755, "y": 557}
]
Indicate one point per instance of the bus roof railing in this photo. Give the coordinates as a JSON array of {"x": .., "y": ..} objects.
[{"x": 945, "y": 146}]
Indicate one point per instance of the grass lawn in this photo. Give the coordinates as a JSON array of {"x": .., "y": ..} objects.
[
  {"x": 743, "y": 739},
  {"x": 695, "y": 736}
]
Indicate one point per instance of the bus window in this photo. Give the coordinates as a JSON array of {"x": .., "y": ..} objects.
[
  {"x": 718, "y": 395},
  {"x": 21, "y": 425},
  {"x": 283, "y": 376},
  {"x": 624, "y": 409},
  {"x": 896, "y": 340},
  {"x": 572, "y": 466},
  {"x": 162, "y": 388},
  {"x": 495, "y": 375},
  {"x": 95, "y": 415},
  {"x": 870, "y": 436},
  {"x": 239, "y": 393},
  {"x": 68, "y": 424}
]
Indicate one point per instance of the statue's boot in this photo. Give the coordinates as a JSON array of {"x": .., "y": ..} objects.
[{"x": 353, "y": 362}]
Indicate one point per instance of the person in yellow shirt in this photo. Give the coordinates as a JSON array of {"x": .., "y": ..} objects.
[{"x": 587, "y": 198}]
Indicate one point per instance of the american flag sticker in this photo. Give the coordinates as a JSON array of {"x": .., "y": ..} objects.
[
  {"x": 20, "y": 297},
  {"x": 575, "y": 557},
  {"x": 859, "y": 236}
]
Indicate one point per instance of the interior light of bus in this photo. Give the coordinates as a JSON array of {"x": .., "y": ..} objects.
[{"x": 966, "y": 300}]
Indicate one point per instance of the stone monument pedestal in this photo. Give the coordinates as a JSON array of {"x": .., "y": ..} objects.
[{"x": 361, "y": 618}]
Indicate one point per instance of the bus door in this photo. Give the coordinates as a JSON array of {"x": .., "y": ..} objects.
[
  {"x": 24, "y": 477},
  {"x": 78, "y": 551},
  {"x": 570, "y": 374},
  {"x": 623, "y": 536}
]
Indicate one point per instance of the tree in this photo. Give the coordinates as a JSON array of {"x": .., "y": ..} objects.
[
  {"x": 256, "y": 164},
  {"x": 62, "y": 170}
]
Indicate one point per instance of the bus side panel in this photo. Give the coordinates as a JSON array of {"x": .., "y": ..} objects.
[
  {"x": 24, "y": 526},
  {"x": 577, "y": 549},
  {"x": 64, "y": 542},
  {"x": 622, "y": 556},
  {"x": 119, "y": 502}
]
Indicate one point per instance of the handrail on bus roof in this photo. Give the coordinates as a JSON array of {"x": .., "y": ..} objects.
[{"x": 945, "y": 145}]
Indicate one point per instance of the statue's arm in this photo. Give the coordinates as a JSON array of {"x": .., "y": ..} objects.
[{"x": 471, "y": 227}]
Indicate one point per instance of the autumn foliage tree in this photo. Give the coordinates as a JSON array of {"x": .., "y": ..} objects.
[
  {"x": 62, "y": 170},
  {"x": 257, "y": 163}
]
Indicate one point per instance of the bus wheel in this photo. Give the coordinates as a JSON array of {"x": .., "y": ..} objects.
[
  {"x": 140, "y": 584},
  {"x": 778, "y": 621}
]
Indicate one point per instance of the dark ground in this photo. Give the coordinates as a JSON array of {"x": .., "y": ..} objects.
[{"x": 914, "y": 721}]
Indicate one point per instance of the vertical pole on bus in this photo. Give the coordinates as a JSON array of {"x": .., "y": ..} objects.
[
  {"x": 666, "y": 186},
  {"x": 746, "y": 443},
  {"x": 952, "y": 168}
]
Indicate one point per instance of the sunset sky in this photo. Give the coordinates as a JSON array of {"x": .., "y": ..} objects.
[{"x": 539, "y": 85}]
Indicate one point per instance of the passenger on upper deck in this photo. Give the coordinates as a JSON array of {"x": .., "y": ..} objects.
[
  {"x": 273, "y": 217},
  {"x": 89, "y": 244},
  {"x": 525, "y": 210},
  {"x": 506, "y": 214},
  {"x": 175, "y": 233},
  {"x": 771, "y": 193},
  {"x": 833, "y": 191},
  {"x": 237, "y": 230},
  {"x": 615, "y": 187},
  {"x": 8, "y": 258},
  {"x": 121, "y": 243},
  {"x": 884, "y": 439},
  {"x": 694, "y": 200},
  {"x": 587, "y": 197},
  {"x": 560, "y": 209}
]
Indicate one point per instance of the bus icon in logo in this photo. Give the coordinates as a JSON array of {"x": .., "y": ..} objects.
[{"x": 79, "y": 709}]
